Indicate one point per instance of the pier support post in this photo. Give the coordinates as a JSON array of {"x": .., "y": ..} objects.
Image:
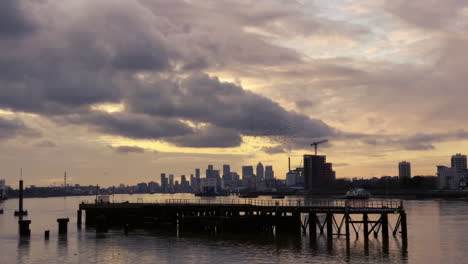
[
  {"x": 78, "y": 220},
  {"x": 312, "y": 225},
  {"x": 365, "y": 222},
  {"x": 347, "y": 227},
  {"x": 329, "y": 226},
  {"x": 384, "y": 223},
  {"x": 62, "y": 225},
  {"x": 24, "y": 228},
  {"x": 46, "y": 234},
  {"x": 404, "y": 230}
]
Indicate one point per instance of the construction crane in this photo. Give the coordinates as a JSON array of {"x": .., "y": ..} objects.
[{"x": 315, "y": 144}]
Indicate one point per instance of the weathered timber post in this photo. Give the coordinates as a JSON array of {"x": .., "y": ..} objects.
[
  {"x": 62, "y": 225},
  {"x": 347, "y": 226},
  {"x": 365, "y": 222},
  {"x": 329, "y": 226},
  {"x": 313, "y": 225},
  {"x": 384, "y": 223}
]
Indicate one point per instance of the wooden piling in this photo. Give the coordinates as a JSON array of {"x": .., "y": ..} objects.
[
  {"x": 313, "y": 225},
  {"x": 329, "y": 221},
  {"x": 384, "y": 223},
  {"x": 365, "y": 222}
]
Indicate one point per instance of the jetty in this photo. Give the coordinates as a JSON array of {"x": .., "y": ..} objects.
[{"x": 330, "y": 217}]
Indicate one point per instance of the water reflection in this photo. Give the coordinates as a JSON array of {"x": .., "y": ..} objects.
[{"x": 437, "y": 234}]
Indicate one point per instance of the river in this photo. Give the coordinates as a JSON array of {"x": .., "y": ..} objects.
[{"x": 437, "y": 233}]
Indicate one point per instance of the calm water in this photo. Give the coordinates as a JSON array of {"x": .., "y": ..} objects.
[{"x": 438, "y": 233}]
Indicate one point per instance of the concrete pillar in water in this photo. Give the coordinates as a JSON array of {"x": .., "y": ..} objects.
[
  {"x": 24, "y": 228},
  {"x": 63, "y": 225}
]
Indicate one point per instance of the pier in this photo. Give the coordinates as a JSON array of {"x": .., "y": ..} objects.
[{"x": 325, "y": 217}]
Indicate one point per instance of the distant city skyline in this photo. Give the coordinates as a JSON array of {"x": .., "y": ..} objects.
[{"x": 228, "y": 82}]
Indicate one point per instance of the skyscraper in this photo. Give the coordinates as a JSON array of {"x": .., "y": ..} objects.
[
  {"x": 197, "y": 173},
  {"x": 247, "y": 172},
  {"x": 459, "y": 162},
  {"x": 260, "y": 173},
  {"x": 163, "y": 182},
  {"x": 226, "y": 170},
  {"x": 171, "y": 180},
  {"x": 227, "y": 178},
  {"x": 404, "y": 169},
  {"x": 269, "y": 173}
]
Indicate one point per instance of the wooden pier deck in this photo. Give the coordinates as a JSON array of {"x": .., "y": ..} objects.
[{"x": 336, "y": 217}]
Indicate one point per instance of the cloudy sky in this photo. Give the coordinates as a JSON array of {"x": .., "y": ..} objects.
[{"x": 118, "y": 91}]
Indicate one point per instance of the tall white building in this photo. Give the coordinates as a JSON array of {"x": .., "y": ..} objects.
[
  {"x": 404, "y": 168},
  {"x": 455, "y": 177},
  {"x": 459, "y": 162}
]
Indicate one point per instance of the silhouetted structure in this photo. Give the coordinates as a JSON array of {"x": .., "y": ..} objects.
[
  {"x": 317, "y": 173},
  {"x": 404, "y": 169},
  {"x": 20, "y": 211},
  {"x": 458, "y": 162}
]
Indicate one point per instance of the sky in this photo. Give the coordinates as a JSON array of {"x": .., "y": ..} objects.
[{"x": 119, "y": 91}]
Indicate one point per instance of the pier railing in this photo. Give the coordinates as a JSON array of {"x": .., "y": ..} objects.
[{"x": 371, "y": 204}]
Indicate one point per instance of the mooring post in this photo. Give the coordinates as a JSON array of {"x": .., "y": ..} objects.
[
  {"x": 312, "y": 225},
  {"x": 24, "y": 228},
  {"x": 330, "y": 226},
  {"x": 62, "y": 225},
  {"x": 365, "y": 222},
  {"x": 78, "y": 220},
  {"x": 46, "y": 234},
  {"x": 384, "y": 223}
]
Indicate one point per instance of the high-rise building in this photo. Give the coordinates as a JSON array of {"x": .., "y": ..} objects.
[
  {"x": 459, "y": 162},
  {"x": 404, "y": 168},
  {"x": 317, "y": 173},
  {"x": 247, "y": 172},
  {"x": 197, "y": 173},
  {"x": 269, "y": 173},
  {"x": 227, "y": 178},
  {"x": 226, "y": 170},
  {"x": 171, "y": 180},
  {"x": 260, "y": 173},
  {"x": 163, "y": 182}
]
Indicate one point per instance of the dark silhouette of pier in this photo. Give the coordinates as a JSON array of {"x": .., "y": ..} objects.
[{"x": 330, "y": 217}]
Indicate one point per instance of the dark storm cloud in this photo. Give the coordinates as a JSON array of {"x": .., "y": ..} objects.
[
  {"x": 128, "y": 149},
  {"x": 13, "y": 20},
  {"x": 10, "y": 128},
  {"x": 274, "y": 150},
  {"x": 209, "y": 137},
  {"x": 208, "y": 100},
  {"x": 132, "y": 125}
]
